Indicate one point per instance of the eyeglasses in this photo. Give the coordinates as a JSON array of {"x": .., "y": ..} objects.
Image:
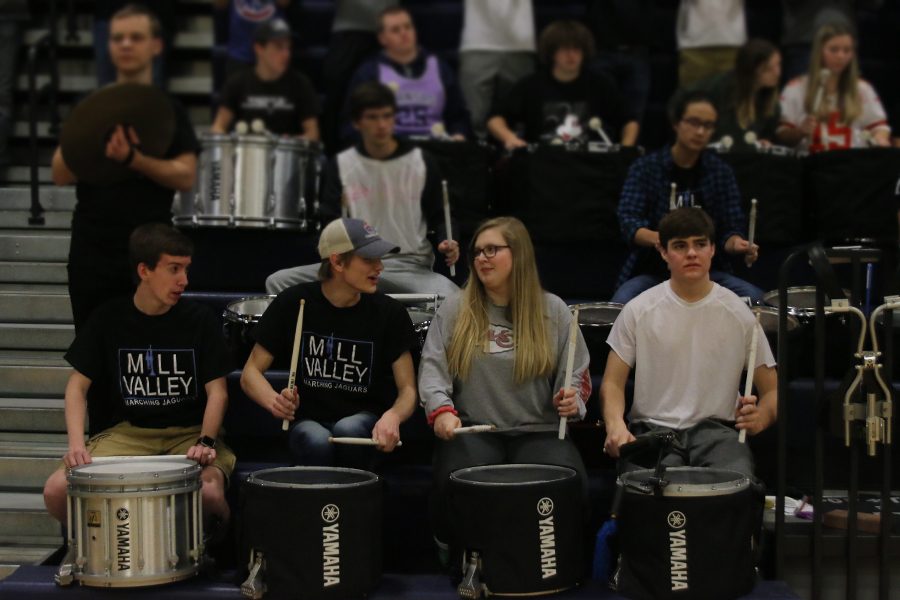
[
  {"x": 489, "y": 251},
  {"x": 700, "y": 124}
]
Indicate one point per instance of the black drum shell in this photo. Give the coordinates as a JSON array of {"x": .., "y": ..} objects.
[
  {"x": 718, "y": 531},
  {"x": 286, "y": 524},
  {"x": 500, "y": 519}
]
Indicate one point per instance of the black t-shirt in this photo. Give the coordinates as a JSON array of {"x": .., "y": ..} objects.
[
  {"x": 550, "y": 109},
  {"x": 156, "y": 366},
  {"x": 282, "y": 104},
  {"x": 687, "y": 185},
  {"x": 106, "y": 214},
  {"x": 344, "y": 366}
]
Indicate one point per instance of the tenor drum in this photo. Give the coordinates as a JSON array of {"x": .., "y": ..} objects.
[
  {"x": 524, "y": 521},
  {"x": 134, "y": 523},
  {"x": 596, "y": 320},
  {"x": 311, "y": 531},
  {"x": 693, "y": 541},
  {"x": 240, "y": 317},
  {"x": 292, "y": 162}
]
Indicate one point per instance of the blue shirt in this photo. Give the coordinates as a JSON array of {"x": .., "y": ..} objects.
[{"x": 645, "y": 201}]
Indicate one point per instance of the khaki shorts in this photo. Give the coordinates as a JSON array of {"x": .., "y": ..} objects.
[{"x": 126, "y": 439}]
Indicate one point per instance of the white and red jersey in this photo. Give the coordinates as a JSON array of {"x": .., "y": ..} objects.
[{"x": 832, "y": 134}]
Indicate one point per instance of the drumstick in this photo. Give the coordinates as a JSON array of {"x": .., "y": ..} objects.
[
  {"x": 295, "y": 356},
  {"x": 447, "y": 222},
  {"x": 751, "y": 361},
  {"x": 752, "y": 229},
  {"x": 354, "y": 441},
  {"x": 672, "y": 194},
  {"x": 824, "y": 74},
  {"x": 474, "y": 429},
  {"x": 570, "y": 363}
]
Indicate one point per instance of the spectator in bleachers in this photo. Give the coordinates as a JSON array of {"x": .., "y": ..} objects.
[
  {"x": 562, "y": 101},
  {"x": 271, "y": 91},
  {"x": 244, "y": 16},
  {"x": 352, "y": 41},
  {"x": 683, "y": 174},
  {"x": 496, "y": 355},
  {"x": 747, "y": 97},
  {"x": 137, "y": 348},
  {"x": 709, "y": 33},
  {"x": 496, "y": 50},
  {"x": 429, "y": 101},
  {"x": 623, "y": 32},
  {"x": 356, "y": 347},
  {"x": 831, "y": 107},
  {"x": 392, "y": 185},
  {"x": 13, "y": 14},
  {"x": 103, "y": 11},
  {"x": 801, "y": 19}
]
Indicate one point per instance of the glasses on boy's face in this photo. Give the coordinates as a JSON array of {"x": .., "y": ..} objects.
[
  {"x": 489, "y": 251},
  {"x": 696, "y": 123}
]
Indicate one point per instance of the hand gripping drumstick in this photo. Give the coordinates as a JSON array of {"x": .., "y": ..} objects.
[
  {"x": 355, "y": 441},
  {"x": 295, "y": 356},
  {"x": 447, "y": 221},
  {"x": 752, "y": 230},
  {"x": 751, "y": 360},
  {"x": 570, "y": 363}
]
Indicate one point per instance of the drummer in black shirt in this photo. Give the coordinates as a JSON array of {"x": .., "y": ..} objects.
[
  {"x": 283, "y": 99},
  {"x": 558, "y": 102},
  {"x": 105, "y": 215}
]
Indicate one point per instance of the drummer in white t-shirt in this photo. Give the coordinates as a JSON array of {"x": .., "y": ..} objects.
[{"x": 688, "y": 340}]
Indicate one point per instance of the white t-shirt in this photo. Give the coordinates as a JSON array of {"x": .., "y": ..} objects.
[
  {"x": 705, "y": 23},
  {"x": 833, "y": 135},
  {"x": 498, "y": 26},
  {"x": 688, "y": 357}
]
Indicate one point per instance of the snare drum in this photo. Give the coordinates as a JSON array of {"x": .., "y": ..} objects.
[
  {"x": 240, "y": 317},
  {"x": 311, "y": 531},
  {"x": 133, "y": 523},
  {"x": 292, "y": 162},
  {"x": 209, "y": 203},
  {"x": 693, "y": 541},
  {"x": 525, "y": 522},
  {"x": 596, "y": 320}
]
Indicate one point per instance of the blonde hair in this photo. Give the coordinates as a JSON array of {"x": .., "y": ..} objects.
[
  {"x": 848, "y": 104},
  {"x": 526, "y": 310}
]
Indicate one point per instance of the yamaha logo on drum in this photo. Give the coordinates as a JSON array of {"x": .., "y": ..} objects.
[
  {"x": 123, "y": 540},
  {"x": 547, "y": 535},
  {"x": 678, "y": 550},
  {"x": 331, "y": 545}
]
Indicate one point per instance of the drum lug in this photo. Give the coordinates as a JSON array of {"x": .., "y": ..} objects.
[
  {"x": 254, "y": 587},
  {"x": 66, "y": 573},
  {"x": 471, "y": 587}
]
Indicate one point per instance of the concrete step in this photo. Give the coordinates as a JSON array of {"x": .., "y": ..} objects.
[
  {"x": 32, "y": 414},
  {"x": 14, "y": 555},
  {"x": 51, "y": 197},
  {"x": 34, "y": 245},
  {"x": 34, "y": 288},
  {"x": 197, "y": 35},
  {"x": 53, "y": 221},
  {"x": 21, "y": 175},
  {"x": 36, "y": 336},
  {"x": 29, "y": 307},
  {"x": 25, "y": 374},
  {"x": 19, "y": 473},
  {"x": 23, "y": 517},
  {"x": 33, "y": 272},
  {"x": 194, "y": 84}
]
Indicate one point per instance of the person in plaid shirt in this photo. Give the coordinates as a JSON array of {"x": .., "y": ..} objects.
[{"x": 682, "y": 175}]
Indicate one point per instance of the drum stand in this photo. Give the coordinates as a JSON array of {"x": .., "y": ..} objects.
[
  {"x": 866, "y": 413},
  {"x": 254, "y": 587}
]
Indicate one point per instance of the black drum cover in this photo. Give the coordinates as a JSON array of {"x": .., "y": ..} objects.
[
  {"x": 526, "y": 522},
  {"x": 318, "y": 527},
  {"x": 692, "y": 543}
]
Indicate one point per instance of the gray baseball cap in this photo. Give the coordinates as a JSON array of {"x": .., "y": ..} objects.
[
  {"x": 271, "y": 30},
  {"x": 346, "y": 235}
]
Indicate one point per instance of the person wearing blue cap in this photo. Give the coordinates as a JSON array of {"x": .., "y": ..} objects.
[{"x": 355, "y": 343}]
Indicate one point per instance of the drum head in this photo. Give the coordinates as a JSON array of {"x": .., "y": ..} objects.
[
  {"x": 312, "y": 477},
  {"x": 597, "y": 314},
  {"x": 134, "y": 472},
  {"x": 688, "y": 482},
  {"x": 247, "y": 310},
  {"x": 768, "y": 319},
  {"x": 801, "y": 300},
  {"x": 503, "y": 475}
]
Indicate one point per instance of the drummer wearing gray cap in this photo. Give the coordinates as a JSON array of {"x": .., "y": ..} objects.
[{"x": 352, "y": 342}]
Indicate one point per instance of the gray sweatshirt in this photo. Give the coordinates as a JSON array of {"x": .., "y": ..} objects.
[{"x": 490, "y": 396}]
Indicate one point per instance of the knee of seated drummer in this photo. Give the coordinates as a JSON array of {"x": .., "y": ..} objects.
[{"x": 356, "y": 425}]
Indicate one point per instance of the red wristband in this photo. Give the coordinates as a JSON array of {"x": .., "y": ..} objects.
[{"x": 438, "y": 411}]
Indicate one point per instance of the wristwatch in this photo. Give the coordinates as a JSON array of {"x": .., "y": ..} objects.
[{"x": 207, "y": 441}]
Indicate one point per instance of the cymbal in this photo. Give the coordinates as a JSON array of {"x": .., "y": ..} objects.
[{"x": 86, "y": 130}]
